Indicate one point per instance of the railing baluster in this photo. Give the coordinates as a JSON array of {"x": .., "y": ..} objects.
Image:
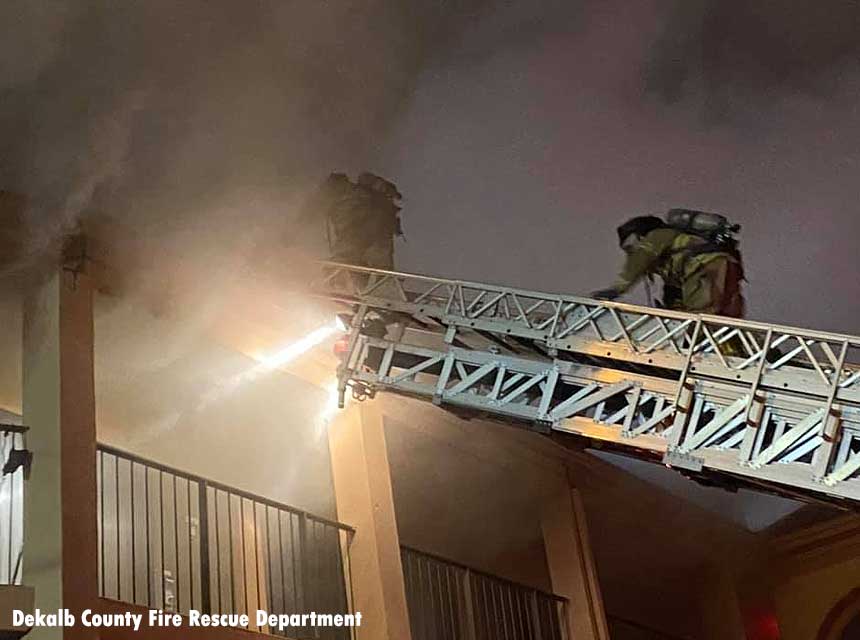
[
  {"x": 536, "y": 619},
  {"x": 188, "y": 518},
  {"x": 244, "y": 560},
  {"x": 148, "y": 542},
  {"x": 232, "y": 562},
  {"x": 269, "y": 571},
  {"x": 292, "y": 556},
  {"x": 102, "y": 519},
  {"x": 117, "y": 519},
  {"x": 10, "y": 503},
  {"x": 133, "y": 537},
  {"x": 259, "y": 602},
  {"x": 161, "y": 530},
  {"x": 217, "y": 522},
  {"x": 304, "y": 562},
  {"x": 203, "y": 536},
  {"x": 468, "y": 608},
  {"x": 177, "y": 585},
  {"x": 16, "y": 577}
]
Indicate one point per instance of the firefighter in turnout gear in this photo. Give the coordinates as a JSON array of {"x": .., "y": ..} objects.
[
  {"x": 693, "y": 253},
  {"x": 362, "y": 220}
]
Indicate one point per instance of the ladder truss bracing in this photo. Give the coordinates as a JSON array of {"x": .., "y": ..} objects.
[{"x": 768, "y": 404}]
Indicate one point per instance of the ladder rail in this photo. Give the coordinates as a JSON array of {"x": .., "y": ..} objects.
[
  {"x": 742, "y": 323},
  {"x": 611, "y": 329},
  {"x": 748, "y": 410},
  {"x": 712, "y": 442}
]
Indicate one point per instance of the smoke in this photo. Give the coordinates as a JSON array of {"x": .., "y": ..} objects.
[
  {"x": 185, "y": 137},
  {"x": 199, "y": 127},
  {"x": 742, "y": 55}
]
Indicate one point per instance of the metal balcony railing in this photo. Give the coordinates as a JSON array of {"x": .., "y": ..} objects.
[
  {"x": 448, "y": 601},
  {"x": 14, "y": 458},
  {"x": 630, "y": 630},
  {"x": 175, "y": 541}
]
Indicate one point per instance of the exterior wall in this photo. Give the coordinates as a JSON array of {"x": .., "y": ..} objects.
[
  {"x": 469, "y": 491},
  {"x": 525, "y": 564},
  {"x": 803, "y": 585},
  {"x": 666, "y": 548},
  {"x": 721, "y": 617},
  {"x": 804, "y": 602}
]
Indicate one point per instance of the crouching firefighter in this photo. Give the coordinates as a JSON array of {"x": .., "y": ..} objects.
[{"x": 694, "y": 253}]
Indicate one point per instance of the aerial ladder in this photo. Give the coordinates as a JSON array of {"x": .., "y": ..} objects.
[{"x": 778, "y": 411}]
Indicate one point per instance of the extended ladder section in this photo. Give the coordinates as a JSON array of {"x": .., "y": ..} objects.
[{"x": 716, "y": 397}]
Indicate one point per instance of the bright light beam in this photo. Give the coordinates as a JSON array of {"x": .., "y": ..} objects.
[
  {"x": 294, "y": 350},
  {"x": 268, "y": 363}
]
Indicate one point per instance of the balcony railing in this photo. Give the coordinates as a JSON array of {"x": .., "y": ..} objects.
[
  {"x": 448, "y": 601},
  {"x": 175, "y": 541},
  {"x": 14, "y": 459},
  {"x": 630, "y": 630}
]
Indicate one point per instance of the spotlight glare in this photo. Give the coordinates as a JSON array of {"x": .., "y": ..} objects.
[{"x": 293, "y": 351}]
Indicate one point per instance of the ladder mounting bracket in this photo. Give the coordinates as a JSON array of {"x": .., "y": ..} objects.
[{"x": 680, "y": 460}]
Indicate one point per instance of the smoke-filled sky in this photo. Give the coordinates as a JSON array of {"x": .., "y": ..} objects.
[{"x": 520, "y": 132}]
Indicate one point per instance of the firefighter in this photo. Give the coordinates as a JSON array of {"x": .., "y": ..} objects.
[
  {"x": 383, "y": 221},
  {"x": 695, "y": 256},
  {"x": 363, "y": 221},
  {"x": 330, "y": 195}
]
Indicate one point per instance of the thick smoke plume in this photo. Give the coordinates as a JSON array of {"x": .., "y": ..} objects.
[
  {"x": 198, "y": 127},
  {"x": 747, "y": 54}
]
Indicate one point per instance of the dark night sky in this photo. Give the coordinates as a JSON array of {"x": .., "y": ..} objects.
[
  {"x": 519, "y": 165},
  {"x": 521, "y": 133}
]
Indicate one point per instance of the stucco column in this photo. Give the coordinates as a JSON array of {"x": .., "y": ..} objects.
[
  {"x": 60, "y": 521},
  {"x": 720, "y": 609},
  {"x": 571, "y": 564},
  {"x": 362, "y": 484}
]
